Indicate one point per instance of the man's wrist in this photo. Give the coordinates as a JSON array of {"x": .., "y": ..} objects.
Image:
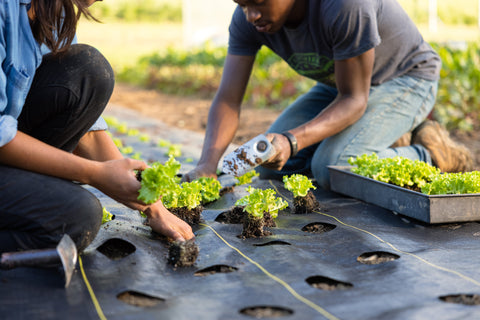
[{"x": 293, "y": 143}]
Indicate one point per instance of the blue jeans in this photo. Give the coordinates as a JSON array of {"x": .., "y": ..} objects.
[{"x": 394, "y": 108}]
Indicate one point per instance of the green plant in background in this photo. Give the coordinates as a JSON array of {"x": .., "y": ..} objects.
[
  {"x": 449, "y": 12},
  {"x": 298, "y": 184},
  {"x": 198, "y": 72},
  {"x": 458, "y": 100},
  {"x": 246, "y": 178},
  {"x": 139, "y": 10},
  {"x": 174, "y": 150},
  {"x": 274, "y": 84},
  {"x": 259, "y": 201}
]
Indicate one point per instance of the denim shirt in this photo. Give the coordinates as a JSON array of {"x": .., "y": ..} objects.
[{"x": 21, "y": 55}]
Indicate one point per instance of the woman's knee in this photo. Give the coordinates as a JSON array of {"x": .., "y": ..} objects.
[
  {"x": 85, "y": 220},
  {"x": 94, "y": 65}
]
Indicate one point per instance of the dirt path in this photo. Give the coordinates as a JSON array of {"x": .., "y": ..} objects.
[{"x": 191, "y": 114}]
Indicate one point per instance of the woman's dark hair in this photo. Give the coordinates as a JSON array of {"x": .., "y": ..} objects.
[{"x": 55, "y": 22}]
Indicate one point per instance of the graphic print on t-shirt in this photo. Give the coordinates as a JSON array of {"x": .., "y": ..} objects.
[{"x": 313, "y": 66}]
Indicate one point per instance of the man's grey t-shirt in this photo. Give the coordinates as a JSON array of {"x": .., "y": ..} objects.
[{"x": 342, "y": 29}]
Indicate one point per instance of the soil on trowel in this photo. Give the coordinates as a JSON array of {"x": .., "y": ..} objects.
[
  {"x": 190, "y": 216},
  {"x": 183, "y": 253},
  {"x": 254, "y": 227},
  {"x": 306, "y": 204}
]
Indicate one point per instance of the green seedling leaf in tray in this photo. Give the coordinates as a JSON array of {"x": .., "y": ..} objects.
[{"x": 416, "y": 175}]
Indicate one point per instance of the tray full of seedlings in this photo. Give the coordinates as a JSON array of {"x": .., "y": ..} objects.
[{"x": 411, "y": 188}]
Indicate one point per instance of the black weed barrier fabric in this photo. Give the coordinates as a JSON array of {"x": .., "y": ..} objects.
[
  {"x": 348, "y": 260},
  {"x": 357, "y": 262}
]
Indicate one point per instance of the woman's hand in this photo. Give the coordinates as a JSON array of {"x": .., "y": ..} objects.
[
  {"x": 118, "y": 181},
  {"x": 116, "y": 178},
  {"x": 164, "y": 222}
]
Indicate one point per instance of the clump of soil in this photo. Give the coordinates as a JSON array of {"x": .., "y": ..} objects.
[
  {"x": 238, "y": 215},
  {"x": 254, "y": 227},
  {"x": 232, "y": 216},
  {"x": 225, "y": 190},
  {"x": 268, "y": 220},
  {"x": 306, "y": 204},
  {"x": 183, "y": 253},
  {"x": 190, "y": 216}
]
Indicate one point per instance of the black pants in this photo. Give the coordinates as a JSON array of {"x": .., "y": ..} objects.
[{"x": 68, "y": 94}]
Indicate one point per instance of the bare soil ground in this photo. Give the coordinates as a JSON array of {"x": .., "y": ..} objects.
[{"x": 191, "y": 114}]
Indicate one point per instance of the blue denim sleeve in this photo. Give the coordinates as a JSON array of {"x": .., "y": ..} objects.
[
  {"x": 100, "y": 124},
  {"x": 8, "y": 129},
  {"x": 8, "y": 124}
]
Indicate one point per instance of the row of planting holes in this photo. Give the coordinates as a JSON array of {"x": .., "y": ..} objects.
[{"x": 116, "y": 248}]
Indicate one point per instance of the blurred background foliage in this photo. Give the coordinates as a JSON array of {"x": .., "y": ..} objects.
[
  {"x": 154, "y": 57},
  {"x": 139, "y": 10}
]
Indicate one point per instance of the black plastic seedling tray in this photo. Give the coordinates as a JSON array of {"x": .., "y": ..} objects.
[{"x": 426, "y": 208}]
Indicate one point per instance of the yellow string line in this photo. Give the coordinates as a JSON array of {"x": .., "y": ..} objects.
[
  {"x": 395, "y": 248},
  {"x": 90, "y": 290},
  {"x": 309, "y": 303}
]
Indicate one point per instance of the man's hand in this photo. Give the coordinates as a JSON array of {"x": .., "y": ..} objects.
[
  {"x": 200, "y": 171},
  {"x": 281, "y": 146}
]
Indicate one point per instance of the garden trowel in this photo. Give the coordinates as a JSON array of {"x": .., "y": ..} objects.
[
  {"x": 65, "y": 253},
  {"x": 248, "y": 156}
]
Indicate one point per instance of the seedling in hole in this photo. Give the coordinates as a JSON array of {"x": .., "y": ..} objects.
[
  {"x": 246, "y": 178},
  {"x": 261, "y": 206},
  {"x": 303, "y": 199},
  {"x": 210, "y": 189},
  {"x": 107, "y": 216}
]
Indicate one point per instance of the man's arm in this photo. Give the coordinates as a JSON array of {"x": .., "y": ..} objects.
[
  {"x": 223, "y": 117},
  {"x": 353, "y": 78}
]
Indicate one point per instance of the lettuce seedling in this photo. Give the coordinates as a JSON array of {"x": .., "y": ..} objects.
[
  {"x": 260, "y": 201},
  {"x": 107, "y": 216},
  {"x": 400, "y": 171},
  {"x": 262, "y": 207},
  {"x": 454, "y": 183},
  {"x": 210, "y": 189},
  {"x": 246, "y": 178},
  {"x": 298, "y": 184},
  {"x": 132, "y": 132},
  {"x": 186, "y": 195},
  {"x": 159, "y": 180},
  {"x": 174, "y": 150},
  {"x": 184, "y": 201}
]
